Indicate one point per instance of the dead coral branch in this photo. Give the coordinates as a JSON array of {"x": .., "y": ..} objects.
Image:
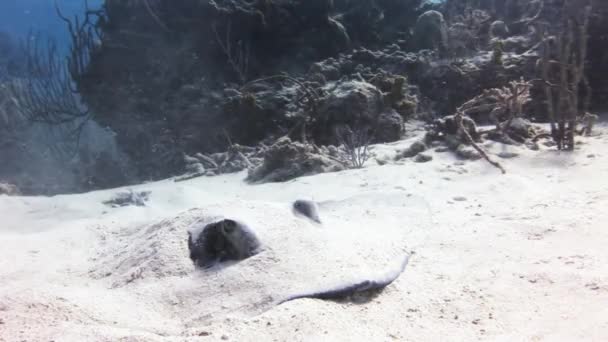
[{"x": 467, "y": 135}]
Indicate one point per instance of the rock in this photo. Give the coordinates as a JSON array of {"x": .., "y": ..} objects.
[
  {"x": 286, "y": 160},
  {"x": 325, "y": 70},
  {"x": 508, "y": 155},
  {"x": 431, "y": 32},
  {"x": 128, "y": 198},
  {"x": 549, "y": 143},
  {"x": 390, "y": 126},
  {"x": 396, "y": 92},
  {"x": 412, "y": 151},
  {"x": 452, "y": 141},
  {"x": 9, "y": 189},
  {"x": 460, "y": 199},
  {"x": 381, "y": 161},
  {"x": 517, "y": 44},
  {"x": 448, "y": 130},
  {"x": 521, "y": 130},
  {"x": 423, "y": 158},
  {"x": 450, "y": 126},
  {"x": 499, "y": 29},
  {"x": 533, "y": 145},
  {"x": 355, "y": 104},
  {"x": 467, "y": 152}
]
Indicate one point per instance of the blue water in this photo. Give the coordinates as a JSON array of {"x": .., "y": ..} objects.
[{"x": 18, "y": 17}]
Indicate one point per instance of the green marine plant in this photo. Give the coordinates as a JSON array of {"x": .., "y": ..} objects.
[{"x": 497, "y": 52}]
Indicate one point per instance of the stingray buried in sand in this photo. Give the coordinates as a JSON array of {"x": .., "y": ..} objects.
[{"x": 283, "y": 256}]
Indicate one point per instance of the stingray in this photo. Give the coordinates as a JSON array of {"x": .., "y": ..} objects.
[{"x": 352, "y": 245}]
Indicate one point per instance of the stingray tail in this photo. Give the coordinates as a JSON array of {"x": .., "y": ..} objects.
[{"x": 351, "y": 289}]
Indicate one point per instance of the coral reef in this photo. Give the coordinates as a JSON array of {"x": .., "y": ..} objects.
[
  {"x": 206, "y": 87},
  {"x": 286, "y": 160}
]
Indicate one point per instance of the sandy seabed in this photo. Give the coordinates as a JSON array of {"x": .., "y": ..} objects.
[{"x": 515, "y": 257}]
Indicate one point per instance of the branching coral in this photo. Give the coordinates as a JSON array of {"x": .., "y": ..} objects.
[
  {"x": 503, "y": 104},
  {"x": 356, "y": 143}
]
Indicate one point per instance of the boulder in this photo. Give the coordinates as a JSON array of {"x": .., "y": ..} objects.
[
  {"x": 431, "y": 32},
  {"x": 9, "y": 189},
  {"x": 412, "y": 151},
  {"x": 353, "y": 103},
  {"x": 467, "y": 152},
  {"x": 499, "y": 29},
  {"x": 447, "y": 129},
  {"x": 521, "y": 129},
  {"x": 423, "y": 158},
  {"x": 390, "y": 127}
]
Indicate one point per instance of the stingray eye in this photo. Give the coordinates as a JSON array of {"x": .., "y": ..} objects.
[{"x": 229, "y": 227}]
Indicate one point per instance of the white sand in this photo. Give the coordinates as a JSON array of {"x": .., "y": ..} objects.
[{"x": 522, "y": 256}]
